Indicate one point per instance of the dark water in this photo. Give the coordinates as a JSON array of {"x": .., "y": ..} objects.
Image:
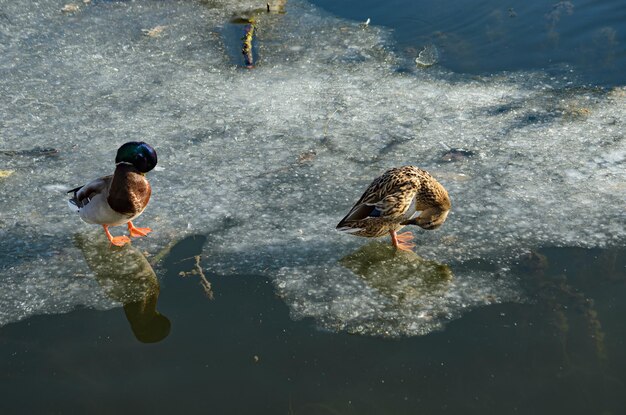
[
  {"x": 173, "y": 349},
  {"x": 240, "y": 353}
]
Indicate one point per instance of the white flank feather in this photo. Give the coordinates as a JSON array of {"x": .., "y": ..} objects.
[{"x": 346, "y": 229}]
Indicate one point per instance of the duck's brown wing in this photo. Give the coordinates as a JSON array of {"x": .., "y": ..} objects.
[{"x": 381, "y": 202}]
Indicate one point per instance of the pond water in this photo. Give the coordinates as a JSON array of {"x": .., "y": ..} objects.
[{"x": 244, "y": 299}]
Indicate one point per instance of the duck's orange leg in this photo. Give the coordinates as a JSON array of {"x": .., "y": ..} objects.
[
  {"x": 137, "y": 232},
  {"x": 402, "y": 241},
  {"x": 116, "y": 240}
]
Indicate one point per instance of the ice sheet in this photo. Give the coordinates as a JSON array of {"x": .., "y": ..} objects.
[{"x": 267, "y": 161}]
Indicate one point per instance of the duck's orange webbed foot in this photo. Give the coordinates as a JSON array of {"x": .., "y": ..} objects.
[
  {"x": 137, "y": 232},
  {"x": 116, "y": 240},
  {"x": 402, "y": 241},
  {"x": 120, "y": 240}
]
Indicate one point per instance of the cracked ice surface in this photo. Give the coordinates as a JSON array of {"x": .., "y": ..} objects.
[{"x": 267, "y": 161}]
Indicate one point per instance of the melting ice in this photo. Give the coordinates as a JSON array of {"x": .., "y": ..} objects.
[{"x": 267, "y": 161}]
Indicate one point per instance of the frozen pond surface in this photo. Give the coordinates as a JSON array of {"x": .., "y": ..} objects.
[{"x": 265, "y": 162}]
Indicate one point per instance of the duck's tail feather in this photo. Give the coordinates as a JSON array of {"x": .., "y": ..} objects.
[
  {"x": 76, "y": 189},
  {"x": 73, "y": 205}
]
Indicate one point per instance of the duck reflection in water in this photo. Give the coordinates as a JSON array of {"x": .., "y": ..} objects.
[
  {"x": 127, "y": 277},
  {"x": 402, "y": 276}
]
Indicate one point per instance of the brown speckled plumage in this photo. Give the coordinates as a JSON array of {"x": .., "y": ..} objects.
[{"x": 401, "y": 196}]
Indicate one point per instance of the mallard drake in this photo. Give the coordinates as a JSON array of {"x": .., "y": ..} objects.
[
  {"x": 401, "y": 196},
  {"x": 118, "y": 199}
]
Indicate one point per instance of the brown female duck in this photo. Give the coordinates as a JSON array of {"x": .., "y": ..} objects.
[{"x": 401, "y": 196}]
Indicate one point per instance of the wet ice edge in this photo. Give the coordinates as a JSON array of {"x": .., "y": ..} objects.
[{"x": 548, "y": 170}]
